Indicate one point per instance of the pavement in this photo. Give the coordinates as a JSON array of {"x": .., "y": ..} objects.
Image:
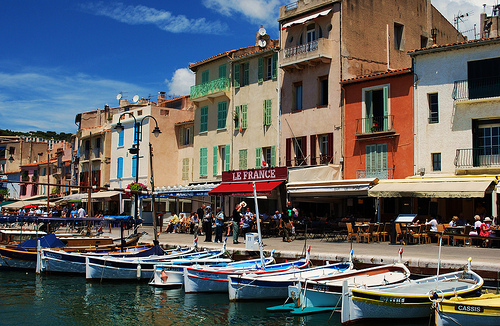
[{"x": 420, "y": 258}]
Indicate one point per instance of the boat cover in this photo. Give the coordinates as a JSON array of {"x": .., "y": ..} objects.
[{"x": 48, "y": 241}]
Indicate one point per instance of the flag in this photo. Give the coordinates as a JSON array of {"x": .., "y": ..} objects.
[
  {"x": 241, "y": 125},
  {"x": 263, "y": 162}
]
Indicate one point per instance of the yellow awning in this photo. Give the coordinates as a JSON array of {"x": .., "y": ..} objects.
[{"x": 434, "y": 188}]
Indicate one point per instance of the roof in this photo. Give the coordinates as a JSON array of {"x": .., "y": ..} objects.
[
  {"x": 384, "y": 74},
  {"x": 451, "y": 46},
  {"x": 38, "y": 163},
  {"x": 187, "y": 122}
]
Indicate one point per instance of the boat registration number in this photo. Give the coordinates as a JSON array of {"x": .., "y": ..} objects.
[
  {"x": 392, "y": 299},
  {"x": 462, "y": 307}
]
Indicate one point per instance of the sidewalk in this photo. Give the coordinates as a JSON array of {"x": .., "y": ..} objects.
[{"x": 421, "y": 258}]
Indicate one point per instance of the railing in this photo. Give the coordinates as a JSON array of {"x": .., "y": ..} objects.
[
  {"x": 216, "y": 85},
  {"x": 478, "y": 157},
  {"x": 321, "y": 159},
  {"x": 375, "y": 173},
  {"x": 470, "y": 89},
  {"x": 374, "y": 124},
  {"x": 300, "y": 49}
]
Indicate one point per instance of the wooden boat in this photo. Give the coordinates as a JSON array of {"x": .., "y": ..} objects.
[
  {"x": 16, "y": 236},
  {"x": 275, "y": 285},
  {"x": 478, "y": 311},
  {"x": 110, "y": 268},
  {"x": 324, "y": 294},
  {"x": 216, "y": 280},
  {"x": 410, "y": 300}
]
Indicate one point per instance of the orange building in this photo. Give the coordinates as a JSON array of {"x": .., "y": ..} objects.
[{"x": 378, "y": 129}]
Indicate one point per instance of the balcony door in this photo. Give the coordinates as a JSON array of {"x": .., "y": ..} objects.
[
  {"x": 376, "y": 161},
  {"x": 377, "y": 109},
  {"x": 487, "y": 140}
]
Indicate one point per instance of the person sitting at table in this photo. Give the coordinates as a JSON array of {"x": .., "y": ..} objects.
[
  {"x": 462, "y": 221},
  {"x": 477, "y": 225},
  {"x": 485, "y": 230},
  {"x": 453, "y": 221},
  {"x": 433, "y": 224}
]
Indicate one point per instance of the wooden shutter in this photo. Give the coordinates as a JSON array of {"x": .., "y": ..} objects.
[
  {"x": 204, "y": 77},
  {"x": 313, "y": 144},
  {"x": 329, "y": 148},
  {"x": 214, "y": 160},
  {"x": 268, "y": 104},
  {"x": 243, "y": 159},
  {"x": 228, "y": 158},
  {"x": 185, "y": 169},
  {"x": 369, "y": 111},
  {"x": 288, "y": 152},
  {"x": 203, "y": 161},
  {"x": 182, "y": 134},
  {"x": 261, "y": 70},
  {"x": 237, "y": 75},
  {"x": 303, "y": 147},
  {"x": 246, "y": 73},
  {"x": 258, "y": 155},
  {"x": 121, "y": 136},
  {"x": 244, "y": 113},
  {"x": 221, "y": 115},
  {"x": 275, "y": 65},
  {"x": 204, "y": 118},
  {"x": 119, "y": 168},
  {"x": 370, "y": 159},
  {"x": 191, "y": 129},
  {"x": 273, "y": 156},
  {"x": 134, "y": 166},
  {"x": 237, "y": 117},
  {"x": 222, "y": 71}
]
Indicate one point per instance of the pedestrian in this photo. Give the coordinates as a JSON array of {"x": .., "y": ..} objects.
[
  {"x": 219, "y": 224},
  {"x": 201, "y": 213},
  {"x": 236, "y": 218},
  {"x": 81, "y": 212},
  {"x": 286, "y": 223},
  {"x": 74, "y": 212},
  {"x": 195, "y": 221},
  {"x": 207, "y": 221},
  {"x": 247, "y": 223}
]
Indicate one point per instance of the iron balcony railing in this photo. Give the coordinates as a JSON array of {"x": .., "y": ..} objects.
[
  {"x": 374, "y": 124},
  {"x": 375, "y": 173},
  {"x": 470, "y": 89},
  {"x": 211, "y": 87},
  {"x": 478, "y": 157},
  {"x": 300, "y": 49}
]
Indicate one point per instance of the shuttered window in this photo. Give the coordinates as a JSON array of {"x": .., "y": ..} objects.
[
  {"x": 244, "y": 116},
  {"x": 221, "y": 115},
  {"x": 242, "y": 164},
  {"x": 203, "y": 118},
  {"x": 203, "y": 161},
  {"x": 237, "y": 75},
  {"x": 215, "y": 154},
  {"x": 222, "y": 71},
  {"x": 119, "y": 168},
  {"x": 258, "y": 157},
  {"x": 134, "y": 166},
  {"x": 204, "y": 77},
  {"x": 185, "y": 169},
  {"x": 121, "y": 138},
  {"x": 260, "y": 75},
  {"x": 268, "y": 104},
  {"x": 376, "y": 161}
]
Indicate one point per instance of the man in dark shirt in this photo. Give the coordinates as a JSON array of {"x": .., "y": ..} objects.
[
  {"x": 236, "y": 218},
  {"x": 286, "y": 222},
  {"x": 201, "y": 212}
]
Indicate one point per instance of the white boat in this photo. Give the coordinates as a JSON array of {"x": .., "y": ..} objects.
[
  {"x": 275, "y": 285},
  {"x": 139, "y": 267},
  {"x": 324, "y": 294},
  {"x": 478, "y": 311},
  {"x": 410, "y": 300},
  {"x": 216, "y": 280}
]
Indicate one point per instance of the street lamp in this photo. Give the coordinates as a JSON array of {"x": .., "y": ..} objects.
[{"x": 134, "y": 150}]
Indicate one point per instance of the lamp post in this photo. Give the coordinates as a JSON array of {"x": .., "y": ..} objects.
[{"x": 134, "y": 150}]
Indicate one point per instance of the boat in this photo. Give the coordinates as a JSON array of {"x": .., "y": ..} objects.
[
  {"x": 409, "y": 300},
  {"x": 479, "y": 311},
  {"x": 206, "y": 279},
  {"x": 324, "y": 294},
  {"x": 275, "y": 285}
]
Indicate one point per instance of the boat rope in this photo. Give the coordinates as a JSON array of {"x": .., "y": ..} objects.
[
  {"x": 102, "y": 269},
  {"x": 331, "y": 315}
]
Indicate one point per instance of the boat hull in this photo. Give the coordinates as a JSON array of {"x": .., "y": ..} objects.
[{"x": 484, "y": 310}]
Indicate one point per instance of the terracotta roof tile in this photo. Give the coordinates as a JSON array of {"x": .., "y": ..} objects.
[
  {"x": 377, "y": 75},
  {"x": 450, "y": 45}
]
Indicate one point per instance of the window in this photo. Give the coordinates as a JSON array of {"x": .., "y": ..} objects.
[
  {"x": 221, "y": 159},
  {"x": 242, "y": 163},
  {"x": 268, "y": 105},
  {"x": 311, "y": 33},
  {"x": 300, "y": 150},
  {"x": 86, "y": 153},
  {"x": 487, "y": 143},
  {"x": 134, "y": 166},
  {"x": 119, "y": 168},
  {"x": 2, "y": 168},
  {"x": 376, "y": 161},
  {"x": 377, "y": 109},
  {"x": 483, "y": 78},
  {"x": 244, "y": 116},
  {"x": 297, "y": 96},
  {"x": 98, "y": 147},
  {"x": 222, "y": 71},
  {"x": 221, "y": 115},
  {"x": 433, "y": 107},
  {"x": 423, "y": 41},
  {"x": 325, "y": 144},
  {"x": 203, "y": 118},
  {"x": 268, "y": 154},
  {"x": 398, "y": 37},
  {"x": 2, "y": 152},
  {"x": 237, "y": 117},
  {"x": 186, "y": 135},
  {"x": 204, "y": 77},
  {"x": 436, "y": 161},
  {"x": 203, "y": 161},
  {"x": 12, "y": 150},
  {"x": 185, "y": 169},
  {"x": 268, "y": 68},
  {"x": 241, "y": 74},
  {"x": 121, "y": 136},
  {"x": 323, "y": 90}
]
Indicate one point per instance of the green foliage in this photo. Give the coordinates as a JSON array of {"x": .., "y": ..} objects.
[
  {"x": 4, "y": 192},
  {"x": 43, "y": 134}
]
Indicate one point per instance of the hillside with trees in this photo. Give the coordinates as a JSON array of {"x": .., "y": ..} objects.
[{"x": 43, "y": 134}]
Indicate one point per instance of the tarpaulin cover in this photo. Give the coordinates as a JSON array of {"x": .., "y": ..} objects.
[{"x": 48, "y": 241}]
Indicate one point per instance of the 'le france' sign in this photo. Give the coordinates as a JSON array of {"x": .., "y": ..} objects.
[{"x": 278, "y": 173}]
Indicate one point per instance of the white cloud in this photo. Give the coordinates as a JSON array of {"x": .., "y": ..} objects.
[
  {"x": 49, "y": 99},
  {"x": 453, "y": 8},
  {"x": 181, "y": 82},
  {"x": 164, "y": 20},
  {"x": 256, "y": 11}
]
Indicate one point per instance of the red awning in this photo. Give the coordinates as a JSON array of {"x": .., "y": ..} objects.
[{"x": 244, "y": 188}]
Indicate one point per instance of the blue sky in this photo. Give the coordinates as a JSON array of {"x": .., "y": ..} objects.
[{"x": 62, "y": 57}]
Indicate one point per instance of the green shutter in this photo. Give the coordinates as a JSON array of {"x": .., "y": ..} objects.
[
  {"x": 214, "y": 161},
  {"x": 181, "y": 136},
  {"x": 258, "y": 154},
  {"x": 222, "y": 71},
  {"x": 237, "y": 117},
  {"x": 191, "y": 135},
  {"x": 221, "y": 115},
  {"x": 244, "y": 113},
  {"x": 261, "y": 70},
  {"x": 385, "y": 92},
  {"x": 228, "y": 158},
  {"x": 246, "y": 73},
  {"x": 204, "y": 77},
  {"x": 369, "y": 111},
  {"x": 243, "y": 159},
  {"x": 237, "y": 75},
  {"x": 203, "y": 161},
  {"x": 273, "y": 156},
  {"x": 268, "y": 104},
  {"x": 203, "y": 118},
  {"x": 275, "y": 65}
]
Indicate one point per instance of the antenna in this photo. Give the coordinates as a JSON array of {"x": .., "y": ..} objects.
[
  {"x": 460, "y": 18},
  {"x": 135, "y": 98},
  {"x": 262, "y": 43},
  {"x": 119, "y": 96},
  {"x": 262, "y": 31}
]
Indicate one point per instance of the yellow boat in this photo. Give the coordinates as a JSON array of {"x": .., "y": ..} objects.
[{"x": 483, "y": 310}]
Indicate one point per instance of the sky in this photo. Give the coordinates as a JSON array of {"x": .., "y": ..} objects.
[{"x": 60, "y": 57}]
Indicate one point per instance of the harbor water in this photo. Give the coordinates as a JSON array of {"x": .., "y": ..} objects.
[{"x": 69, "y": 300}]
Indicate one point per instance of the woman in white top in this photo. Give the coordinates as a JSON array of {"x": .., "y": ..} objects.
[{"x": 477, "y": 225}]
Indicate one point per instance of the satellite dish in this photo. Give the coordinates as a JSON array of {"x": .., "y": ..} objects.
[
  {"x": 262, "y": 43},
  {"x": 135, "y": 98},
  {"x": 262, "y": 31},
  {"x": 119, "y": 96}
]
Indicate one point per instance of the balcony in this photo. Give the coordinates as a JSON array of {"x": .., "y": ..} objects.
[
  {"x": 375, "y": 173},
  {"x": 478, "y": 158},
  {"x": 315, "y": 52},
  {"x": 210, "y": 90},
  {"x": 479, "y": 88},
  {"x": 367, "y": 127},
  {"x": 321, "y": 159}
]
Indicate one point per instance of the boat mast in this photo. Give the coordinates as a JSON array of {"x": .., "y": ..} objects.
[{"x": 263, "y": 266}]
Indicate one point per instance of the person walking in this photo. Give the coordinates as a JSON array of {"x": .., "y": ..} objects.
[
  {"x": 195, "y": 221},
  {"x": 236, "y": 218},
  {"x": 219, "y": 224},
  {"x": 286, "y": 223},
  {"x": 201, "y": 213},
  {"x": 207, "y": 221}
]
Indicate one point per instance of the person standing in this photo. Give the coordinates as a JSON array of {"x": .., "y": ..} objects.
[
  {"x": 219, "y": 224},
  {"x": 236, "y": 218},
  {"x": 81, "y": 212},
  {"x": 207, "y": 220},
  {"x": 201, "y": 213},
  {"x": 195, "y": 222},
  {"x": 286, "y": 223},
  {"x": 247, "y": 223}
]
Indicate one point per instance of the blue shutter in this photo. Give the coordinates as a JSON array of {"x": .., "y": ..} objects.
[
  {"x": 119, "y": 168},
  {"x": 121, "y": 138},
  {"x": 134, "y": 165}
]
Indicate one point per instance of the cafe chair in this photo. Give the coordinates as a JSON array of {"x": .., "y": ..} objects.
[
  {"x": 366, "y": 234},
  {"x": 416, "y": 237},
  {"x": 385, "y": 232},
  {"x": 441, "y": 228},
  {"x": 399, "y": 234},
  {"x": 376, "y": 231},
  {"x": 350, "y": 232}
]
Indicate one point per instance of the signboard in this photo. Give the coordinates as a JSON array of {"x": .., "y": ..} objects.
[{"x": 266, "y": 174}]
